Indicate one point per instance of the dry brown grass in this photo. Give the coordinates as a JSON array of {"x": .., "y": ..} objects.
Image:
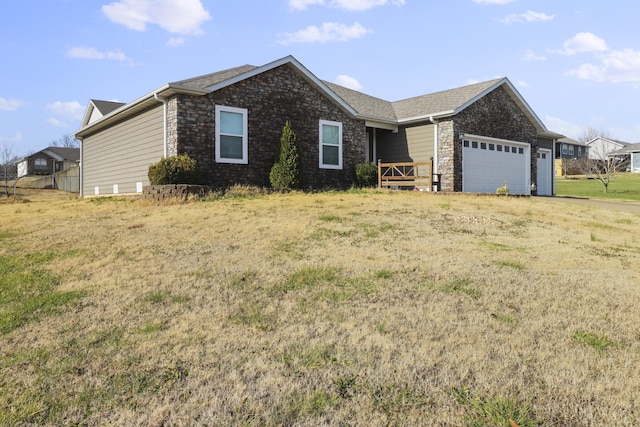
[{"x": 374, "y": 308}]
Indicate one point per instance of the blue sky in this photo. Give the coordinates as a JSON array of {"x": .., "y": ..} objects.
[{"x": 577, "y": 63}]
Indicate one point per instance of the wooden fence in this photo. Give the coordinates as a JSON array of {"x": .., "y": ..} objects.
[{"x": 408, "y": 174}]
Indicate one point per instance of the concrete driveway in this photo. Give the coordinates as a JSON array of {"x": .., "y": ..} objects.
[{"x": 603, "y": 204}]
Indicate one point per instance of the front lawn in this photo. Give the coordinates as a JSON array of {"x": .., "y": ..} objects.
[{"x": 625, "y": 186}]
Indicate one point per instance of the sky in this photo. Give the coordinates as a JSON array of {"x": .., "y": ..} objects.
[{"x": 576, "y": 63}]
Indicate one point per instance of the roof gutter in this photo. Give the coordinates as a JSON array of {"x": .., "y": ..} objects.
[{"x": 430, "y": 117}]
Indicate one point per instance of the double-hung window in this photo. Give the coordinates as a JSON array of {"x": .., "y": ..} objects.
[
  {"x": 40, "y": 163},
  {"x": 231, "y": 135},
  {"x": 330, "y": 145}
]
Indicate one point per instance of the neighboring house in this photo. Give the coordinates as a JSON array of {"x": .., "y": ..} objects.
[
  {"x": 48, "y": 161},
  {"x": 567, "y": 148},
  {"x": 479, "y": 136},
  {"x": 566, "y": 151},
  {"x": 600, "y": 147},
  {"x": 632, "y": 154}
]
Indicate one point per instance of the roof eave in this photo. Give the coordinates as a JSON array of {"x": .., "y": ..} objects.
[
  {"x": 427, "y": 117},
  {"x": 551, "y": 135}
]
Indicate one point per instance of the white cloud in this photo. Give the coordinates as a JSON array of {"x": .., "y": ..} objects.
[
  {"x": 175, "y": 41},
  {"x": 493, "y": 1},
  {"x": 522, "y": 84},
  {"x": 69, "y": 110},
  {"x": 302, "y": 4},
  {"x": 328, "y": 32},
  {"x": 57, "y": 123},
  {"x": 563, "y": 127},
  {"x": 10, "y": 104},
  {"x": 530, "y": 56},
  {"x": 352, "y": 5},
  {"x": 15, "y": 138},
  {"x": 583, "y": 42},
  {"x": 174, "y": 16},
  {"x": 348, "y": 82},
  {"x": 529, "y": 16},
  {"x": 619, "y": 66},
  {"x": 83, "y": 52}
]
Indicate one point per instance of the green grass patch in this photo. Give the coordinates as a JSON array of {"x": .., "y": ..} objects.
[
  {"x": 624, "y": 186},
  {"x": 253, "y": 313},
  {"x": 599, "y": 343},
  {"x": 307, "y": 277},
  {"x": 495, "y": 246},
  {"x": 330, "y": 218},
  {"x": 511, "y": 264},
  {"x": 156, "y": 297},
  {"x": 494, "y": 411},
  {"x": 463, "y": 286},
  {"x": 28, "y": 292},
  {"x": 395, "y": 399}
]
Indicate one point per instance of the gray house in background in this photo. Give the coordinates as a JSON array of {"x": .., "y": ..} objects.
[
  {"x": 479, "y": 136},
  {"x": 48, "y": 161},
  {"x": 632, "y": 155}
]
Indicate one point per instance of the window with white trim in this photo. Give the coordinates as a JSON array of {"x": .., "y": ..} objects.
[
  {"x": 330, "y": 145},
  {"x": 40, "y": 163},
  {"x": 231, "y": 135}
]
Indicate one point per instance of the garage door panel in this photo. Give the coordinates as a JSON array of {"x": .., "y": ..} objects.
[{"x": 487, "y": 165}]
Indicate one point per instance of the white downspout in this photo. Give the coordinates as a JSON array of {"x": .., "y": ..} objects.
[
  {"x": 81, "y": 192},
  {"x": 435, "y": 146},
  {"x": 164, "y": 121}
]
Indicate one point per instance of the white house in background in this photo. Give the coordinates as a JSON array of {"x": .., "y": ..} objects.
[{"x": 600, "y": 147}]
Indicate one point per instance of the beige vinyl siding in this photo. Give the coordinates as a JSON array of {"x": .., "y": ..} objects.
[
  {"x": 409, "y": 144},
  {"x": 420, "y": 142},
  {"x": 121, "y": 154}
]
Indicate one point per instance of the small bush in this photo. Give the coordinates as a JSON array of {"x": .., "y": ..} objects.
[
  {"x": 174, "y": 170},
  {"x": 366, "y": 174},
  {"x": 286, "y": 172},
  {"x": 504, "y": 189}
]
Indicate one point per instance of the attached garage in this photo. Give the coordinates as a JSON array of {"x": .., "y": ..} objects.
[{"x": 489, "y": 163}]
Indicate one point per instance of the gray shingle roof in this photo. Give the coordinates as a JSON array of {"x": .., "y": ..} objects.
[
  {"x": 66, "y": 153},
  {"x": 630, "y": 148},
  {"x": 424, "y": 105},
  {"x": 207, "y": 80},
  {"x": 367, "y": 106},
  {"x": 447, "y": 100},
  {"x": 105, "y": 107},
  {"x": 571, "y": 141}
]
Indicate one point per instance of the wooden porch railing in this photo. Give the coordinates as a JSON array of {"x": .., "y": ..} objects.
[{"x": 408, "y": 174}]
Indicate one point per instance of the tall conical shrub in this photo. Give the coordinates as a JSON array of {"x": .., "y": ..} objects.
[{"x": 286, "y": 172}]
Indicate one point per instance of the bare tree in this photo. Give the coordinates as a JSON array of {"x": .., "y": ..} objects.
[
  {"x": 604, "y": 166},
  {"x": 8, "y": 168},
  {"x": 601, "y": 165},
  {"x": 592, "y": 133},
  {"x": 67, "y": 140}
]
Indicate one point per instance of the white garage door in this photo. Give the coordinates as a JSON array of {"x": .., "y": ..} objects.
[
  {"x": 488, "y": 163},
  {"x": 544, "y": 165}
]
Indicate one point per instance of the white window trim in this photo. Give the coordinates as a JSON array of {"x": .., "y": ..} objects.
[
  {"x": 245, "y": 137},
  {"x": 320, "y": 144}
]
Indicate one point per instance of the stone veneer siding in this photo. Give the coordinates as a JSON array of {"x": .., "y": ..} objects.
[
  {"x": 271, "y": 98},
  {"x": 495, "y": 115}
]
